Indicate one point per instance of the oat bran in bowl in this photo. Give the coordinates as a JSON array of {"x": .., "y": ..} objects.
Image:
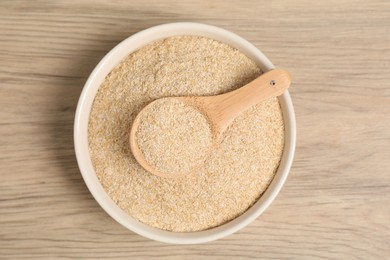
[{"x": 236, "y": 183}]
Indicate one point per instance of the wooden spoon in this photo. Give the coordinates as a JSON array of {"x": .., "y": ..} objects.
[{"x": 222, "y": 109}]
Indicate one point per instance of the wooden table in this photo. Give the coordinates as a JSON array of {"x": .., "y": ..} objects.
[{"x": 336, "y": 202}]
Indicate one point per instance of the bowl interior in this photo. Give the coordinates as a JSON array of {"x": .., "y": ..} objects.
[{"x": 114, "y": 57}]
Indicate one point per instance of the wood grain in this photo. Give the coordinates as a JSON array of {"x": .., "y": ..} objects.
[{"x": 336, "y": 202}]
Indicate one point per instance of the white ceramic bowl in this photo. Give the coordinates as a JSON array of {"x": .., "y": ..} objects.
[{"x": 98, "y": 75}]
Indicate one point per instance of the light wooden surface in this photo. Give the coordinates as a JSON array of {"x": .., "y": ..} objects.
[{"x": 336, "y": 202}]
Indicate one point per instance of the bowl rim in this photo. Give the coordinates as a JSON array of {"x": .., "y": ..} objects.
[{"x": 109, "y": 61}]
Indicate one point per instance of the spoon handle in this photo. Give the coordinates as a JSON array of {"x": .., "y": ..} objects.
[{"x": 224, "y": 108}]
